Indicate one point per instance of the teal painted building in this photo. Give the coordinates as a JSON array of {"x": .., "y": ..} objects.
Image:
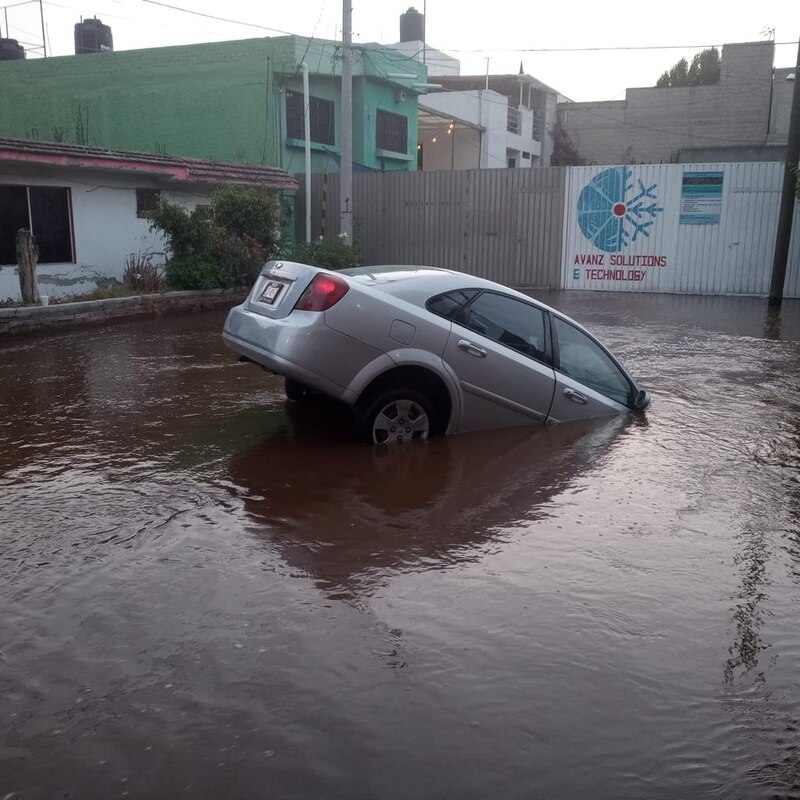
[{"x": 228, "y": 101}]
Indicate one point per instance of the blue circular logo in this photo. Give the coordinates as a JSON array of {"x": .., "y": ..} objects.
[{"x": 612, "y": 212}]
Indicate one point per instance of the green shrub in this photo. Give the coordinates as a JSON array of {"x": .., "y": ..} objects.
[
  {"x": 249, "y": 213},
  {"x": 194, "y": 272},
  {"x": 328, "y": 253},
  {"x": 222, "y": 245}
]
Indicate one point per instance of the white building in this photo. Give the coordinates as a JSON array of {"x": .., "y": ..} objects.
[
  {"x": 477, "y": 121},
  {"x": 487, "y": 121},
  {"x": 469, "y": 130},
  {"x": 88, "y": 207}
]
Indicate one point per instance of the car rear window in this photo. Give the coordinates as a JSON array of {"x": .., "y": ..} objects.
[{"x": 448, "y": 304}]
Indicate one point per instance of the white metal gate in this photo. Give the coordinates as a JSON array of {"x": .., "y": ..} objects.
[{"x": 681, "y": 228}]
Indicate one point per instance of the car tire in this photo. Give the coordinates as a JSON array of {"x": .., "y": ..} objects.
[
  {"x": 395, "y": 416},
  {"x": 297, "y": 392}
]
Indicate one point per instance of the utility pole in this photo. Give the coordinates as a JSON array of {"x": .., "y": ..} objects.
[
  {"x": 790, "y": 178},
  {"x": 307, "y": 146},
  {"x": 346, "y": 167},
  {"x": 424, "y": 27}
]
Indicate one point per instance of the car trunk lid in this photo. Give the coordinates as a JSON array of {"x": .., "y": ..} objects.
[{"x": 278, "y": 288}]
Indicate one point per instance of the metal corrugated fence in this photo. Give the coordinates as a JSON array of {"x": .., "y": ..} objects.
[
  {"x": 639, "y": 228},
  {"x": 544, "y": 228},
  {"x": 505, "y": 225}
]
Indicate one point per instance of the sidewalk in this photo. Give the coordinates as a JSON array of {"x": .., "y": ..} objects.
[{"x": 37, "y": 319}]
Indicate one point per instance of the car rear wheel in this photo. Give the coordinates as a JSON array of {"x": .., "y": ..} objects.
[
  {"x": 395, "y": 416},
  {"x": 297, "y": 392}
]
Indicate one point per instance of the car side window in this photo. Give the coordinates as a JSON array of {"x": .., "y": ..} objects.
[
  {"x": 511, "y": 322},
  {"x": 582, "y": 358},
  {"x": 446, "y": 305}
]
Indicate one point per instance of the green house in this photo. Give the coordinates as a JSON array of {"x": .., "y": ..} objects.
[{"x": 236, "y": 101}]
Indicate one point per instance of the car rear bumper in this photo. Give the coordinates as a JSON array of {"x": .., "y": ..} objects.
[{"x": 301, "y": 347}]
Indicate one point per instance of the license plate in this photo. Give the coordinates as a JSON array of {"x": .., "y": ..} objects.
[{"x": 271, "y": 292}]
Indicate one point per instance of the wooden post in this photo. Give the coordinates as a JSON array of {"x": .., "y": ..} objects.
[{"x": 27, "y": 257}]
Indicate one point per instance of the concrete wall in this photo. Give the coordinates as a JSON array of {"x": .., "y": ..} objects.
[
  {"x": 39, "y": 319},
  {"x": 372, "y": 97},
  {"x": 548, "y": 123},
  {"x": 224, "y": 101},
  {"x": 597, "y": 130},
  {"x": 781, "y": 112},
  {"x": 106, "y": 230},
  {"x": 207, "y": 101},
  {"x": 654, "y": 125},
  {"x": 697, "y": 155}
]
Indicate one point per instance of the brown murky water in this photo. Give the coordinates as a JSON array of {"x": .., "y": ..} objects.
[{"x": 207, "y": 594}]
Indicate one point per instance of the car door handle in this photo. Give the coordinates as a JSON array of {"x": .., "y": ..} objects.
[
  {"x": 472, "y": 349},
  {"x": 576, "y": 397}
]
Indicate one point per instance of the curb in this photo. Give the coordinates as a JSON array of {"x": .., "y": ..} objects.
[{"x": 38, "y": 319}]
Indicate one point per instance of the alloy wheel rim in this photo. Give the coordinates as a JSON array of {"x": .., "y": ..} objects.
[{"x": 400, "y": 421}]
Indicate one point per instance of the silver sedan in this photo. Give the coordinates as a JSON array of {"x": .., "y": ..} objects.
[{"x": 420, "y": 351}]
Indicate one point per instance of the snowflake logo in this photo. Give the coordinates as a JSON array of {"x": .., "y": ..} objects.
[{"x": 612, "y": 213}]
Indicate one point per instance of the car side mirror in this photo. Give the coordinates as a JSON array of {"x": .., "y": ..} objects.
[{"x": 642, "y": 400}]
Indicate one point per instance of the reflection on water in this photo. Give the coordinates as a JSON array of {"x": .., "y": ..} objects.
[
  {"x": 773, "y": 320},
  {"x": 207, "y": 591},
  {"x": 348, "y": 515}
]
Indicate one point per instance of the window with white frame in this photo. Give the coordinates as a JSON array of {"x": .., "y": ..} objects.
[{"x": 44, "y": 210}]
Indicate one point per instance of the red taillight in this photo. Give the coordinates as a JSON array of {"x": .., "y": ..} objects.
[{"x": 322, "y": 293}]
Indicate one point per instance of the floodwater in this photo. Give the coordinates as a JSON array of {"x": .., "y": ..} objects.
[{"x": 207, "y": 594}]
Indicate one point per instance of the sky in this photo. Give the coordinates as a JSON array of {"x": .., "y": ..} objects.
[{"x": 507, "y": 32}]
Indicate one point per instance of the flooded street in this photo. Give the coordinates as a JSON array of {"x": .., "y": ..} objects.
[{"x": 207, "y": 592}]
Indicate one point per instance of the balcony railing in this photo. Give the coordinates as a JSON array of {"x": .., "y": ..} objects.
[
  {"x": 536, "y": 127},
  {"x": 513, "y": 125}
]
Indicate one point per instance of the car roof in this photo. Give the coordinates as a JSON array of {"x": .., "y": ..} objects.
[{"x": 416, "y": 284}]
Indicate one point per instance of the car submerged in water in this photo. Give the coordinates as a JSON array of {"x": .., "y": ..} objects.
[{"x": 422, "y": 351}]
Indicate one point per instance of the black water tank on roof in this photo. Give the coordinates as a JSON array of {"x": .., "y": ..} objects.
[
  {"x": 91, "y": 36},
  {"x": 412, "y": 26},
  {"x": 11, "y": 50}
]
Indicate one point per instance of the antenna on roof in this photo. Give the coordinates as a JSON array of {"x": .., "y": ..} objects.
[{"x": 44, "y": 34}]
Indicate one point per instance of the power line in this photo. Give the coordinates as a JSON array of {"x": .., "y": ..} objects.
[
  {"x": 402, "y": 57},
  {"x": 365, "y": 47},
  {"x": 453, "y": 49},
  {"x": 594, "y": 49},
  {"x": 461, "y": 50},
  {"x": 219, "y": 19},
  {"x": 139, "y": 22},
  {"x": 625, "y": 48}
]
